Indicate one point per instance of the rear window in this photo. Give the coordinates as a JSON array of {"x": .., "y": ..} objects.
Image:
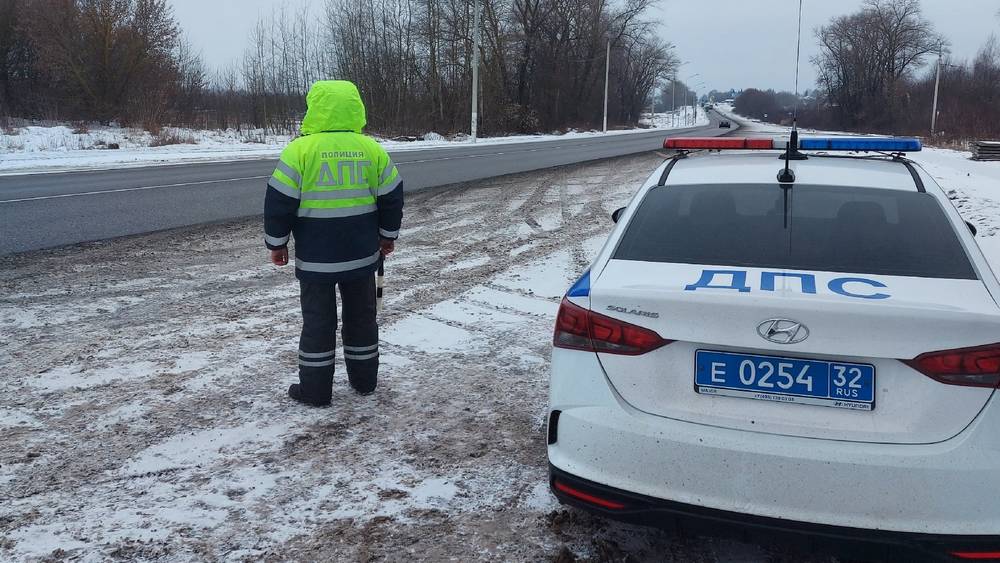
[{"x": 834, "y": 229}]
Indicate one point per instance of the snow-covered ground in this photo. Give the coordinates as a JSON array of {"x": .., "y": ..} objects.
[
  {"x": 57, "y": 148},
  {"x": 143, "y": 414},
  {"x": 60, "y": 148}
]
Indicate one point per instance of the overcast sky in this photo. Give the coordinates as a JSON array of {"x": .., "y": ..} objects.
[
  {"x": 751, "y": 43},
  {"x": 729, "y": 43}
]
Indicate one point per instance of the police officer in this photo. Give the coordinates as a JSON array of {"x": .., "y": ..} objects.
[{"x": 339, "y": 194}]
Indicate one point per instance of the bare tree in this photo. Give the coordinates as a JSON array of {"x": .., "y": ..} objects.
[
  {"x": 114, "y": 57},
  {"x": 867, "y": 56},
  {"x": 192, "y": 80},
  {"x": 16, "y": 56}
]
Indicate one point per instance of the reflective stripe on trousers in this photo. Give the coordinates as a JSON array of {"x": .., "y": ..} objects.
[
  {"x": 358, "y": 353},
  {"x": 317, "y": 359}
]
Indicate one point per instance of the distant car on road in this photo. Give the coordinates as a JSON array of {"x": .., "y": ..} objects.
[
  {"x": 815, "y": 358},
  {"x": 725, "y": 124}
]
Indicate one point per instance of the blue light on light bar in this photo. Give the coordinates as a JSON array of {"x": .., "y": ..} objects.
[{"x": 887, "y": 144}]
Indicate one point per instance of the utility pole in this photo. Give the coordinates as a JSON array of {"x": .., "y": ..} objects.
[
  {"x": 475, "y": 71},
  {"x": 687, "y": 95},
  {"x": 652, "y": 105},
  {"x": 607, "y": 74},
  {"x": 687, "y": 98},
  {"x": 937, "y": 83},
  {"x": 673, "y": 105}
]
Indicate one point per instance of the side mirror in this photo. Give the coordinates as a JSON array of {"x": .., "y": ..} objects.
[
  {"x": 617, "y": 214},
  {"x": 972, "y": 228}
]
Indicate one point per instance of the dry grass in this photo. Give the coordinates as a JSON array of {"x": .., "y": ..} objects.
[
  {"x": 173, "y": 138},
  {"x": 7, "y": 126},
  {"x": 953, "y": 143}
]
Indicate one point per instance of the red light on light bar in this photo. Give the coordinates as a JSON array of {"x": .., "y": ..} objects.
[
  {"x": 588, "y": 498},
  {"x": 717, "y": 143}
]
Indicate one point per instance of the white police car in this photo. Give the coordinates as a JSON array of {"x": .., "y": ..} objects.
[{"x": 815, "y": 358}]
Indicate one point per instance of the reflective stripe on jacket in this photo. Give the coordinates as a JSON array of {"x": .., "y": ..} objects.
[{"x": 334, "y": 190}]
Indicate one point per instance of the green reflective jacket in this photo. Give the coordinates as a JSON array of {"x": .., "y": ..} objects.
[
  {"x": 343, "y": 171},
  {"x": 335, "y": 189}
]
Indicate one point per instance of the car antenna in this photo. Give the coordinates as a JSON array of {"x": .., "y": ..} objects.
[{"x": 786, "y": 175}]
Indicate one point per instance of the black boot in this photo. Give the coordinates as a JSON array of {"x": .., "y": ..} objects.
[
  {"x": 295, "y": 392},
  {"x": 363, "y": 385}
]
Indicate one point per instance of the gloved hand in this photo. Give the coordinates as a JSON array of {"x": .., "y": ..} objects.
[
  {"x": 279, "y": 257},
  {"x": 387, "y": 245}
]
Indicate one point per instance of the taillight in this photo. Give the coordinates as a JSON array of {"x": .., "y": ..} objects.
[
  {"x": 580, "y": 329},
  {"x": 977, "y": 555},
  {"x": 974, "y": 367}
]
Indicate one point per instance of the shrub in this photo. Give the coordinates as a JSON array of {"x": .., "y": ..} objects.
[{"x": 173, "y": 138}]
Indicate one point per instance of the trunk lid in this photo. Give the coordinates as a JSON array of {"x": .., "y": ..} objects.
[{"x": 863, "y": 318}]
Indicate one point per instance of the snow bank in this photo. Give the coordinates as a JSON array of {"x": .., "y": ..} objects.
[
  {"x": 61, "y": 148},
  {"x": 42, "y": 149}
]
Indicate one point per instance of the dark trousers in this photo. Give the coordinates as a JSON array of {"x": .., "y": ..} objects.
[{"x": 318, "y": 343}]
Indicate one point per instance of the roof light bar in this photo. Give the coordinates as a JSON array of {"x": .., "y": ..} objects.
[
  {"x": 718, "y": 143},
  {"x": 887, "y": 144},
  {"x": 881, "y": 144}
]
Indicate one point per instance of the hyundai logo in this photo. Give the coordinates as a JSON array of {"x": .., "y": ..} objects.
[{"x": 783, "y": 331}]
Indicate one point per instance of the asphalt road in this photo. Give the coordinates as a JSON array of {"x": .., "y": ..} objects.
[{"x": 48, "y": 210}]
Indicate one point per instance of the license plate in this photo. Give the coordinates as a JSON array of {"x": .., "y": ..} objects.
[{"x": 786, "y": 380}]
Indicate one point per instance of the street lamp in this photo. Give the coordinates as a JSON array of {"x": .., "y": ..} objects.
[
  {"x": 687, "y": 95},
  {"x": 694, "y": 106},
  {"x": 673, "y": 93}
]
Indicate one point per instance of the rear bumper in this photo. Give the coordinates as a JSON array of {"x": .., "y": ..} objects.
[
  {"x": 696, "y": 520},
  {"x": 947, "y": 489}
]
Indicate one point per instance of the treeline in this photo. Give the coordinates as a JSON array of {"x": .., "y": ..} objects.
[
  {"x": 97, "y": 60},
  {"x": 877, "y": 69},
  {"x": 542, "y": 64},
  {"x": 766, "y": 105}
]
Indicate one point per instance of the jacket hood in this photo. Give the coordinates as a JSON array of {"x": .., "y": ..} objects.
[{"x": 333, "y": 105}]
